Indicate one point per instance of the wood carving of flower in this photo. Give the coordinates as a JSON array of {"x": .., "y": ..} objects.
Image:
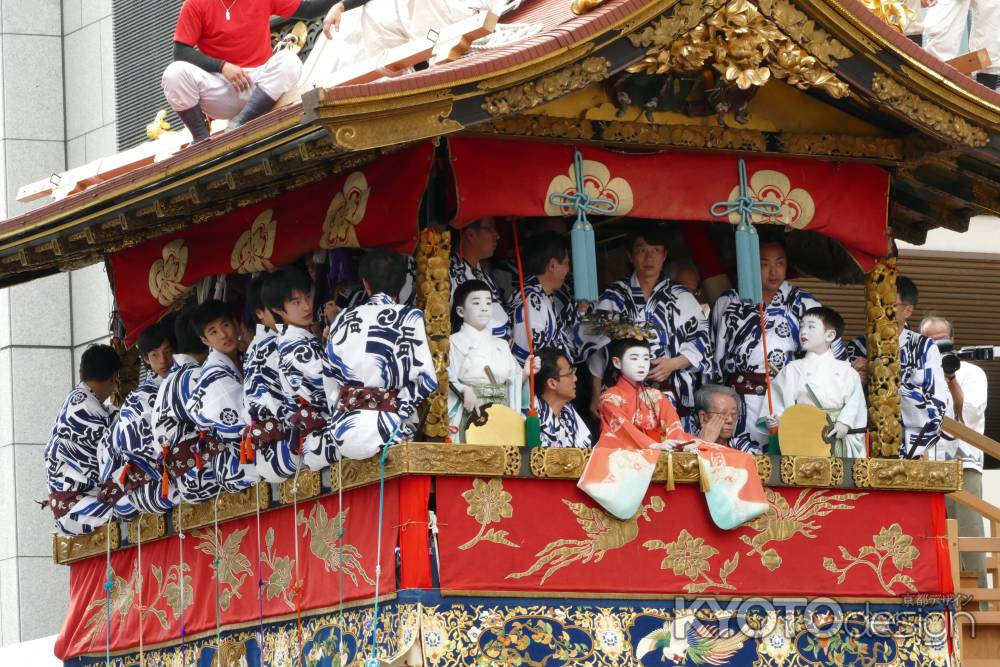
[
  {"x": 597, "y": 183},
  {"x": 345, "y": 213},
  {"x": 167, "y": 272},
  {"x": 255, "y": 246},
  {"x": 488, "y": 503}
]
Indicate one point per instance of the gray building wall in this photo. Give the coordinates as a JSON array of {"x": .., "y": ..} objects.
[{"x": 57, "y": 110}]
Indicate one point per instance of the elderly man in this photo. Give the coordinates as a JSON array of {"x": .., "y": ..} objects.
[
  {"x": 967, "y": 387},
  {"x": 718, "y": 409}
]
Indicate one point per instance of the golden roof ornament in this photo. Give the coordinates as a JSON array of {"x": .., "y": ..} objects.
[
  {"x": 894, "y": 12},
  {"x": 617, "y": 326}
]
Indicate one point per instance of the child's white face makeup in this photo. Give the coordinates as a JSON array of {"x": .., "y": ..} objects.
[
  {"x": 634, "y": 364},
  {"x": 814, "y": 336},
  {"x": 477, "y": 310}
]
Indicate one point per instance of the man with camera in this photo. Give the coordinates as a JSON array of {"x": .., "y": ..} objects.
[{"x": 967, "y": 388}]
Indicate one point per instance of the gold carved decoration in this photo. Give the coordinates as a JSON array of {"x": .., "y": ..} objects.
[
  {"x": 689, "y": 556},
  {"x": 743, "y": 45},
  {"x": 306, "y": 484},
  {"x": 324, "y": 535},
  {"x": 547, "y": 88},
  {"x": 892, "y": 12},
  {"x": 803, "y": 31},
  {"x": 488, "y": 502},
  {"x": 692, "y": 136},
  {"x": 927, "y": 113},
  {"x": 890, "y": 545},
  {"x": 540, "y": 126},
  {"x": 558, "y": 462},
  {"x": 812, "y": 471},
  {"x": 764, "y": 468},
  {"x": 434, "y": 297},
  {"x": 884, "y": 417},
  {"x": 372, "y": 129},
  {"x": 584, "y": 6},
  {"x": 604, "y": 533},
  {"x": 783, "y": 521},
  {"x": 842, "y": 145},
  {"x": 908, "y": 475},
  {"x": 67, "y": 549},
  {"x": 230, "y": 506},
  {"x": 153, "y": 527}
]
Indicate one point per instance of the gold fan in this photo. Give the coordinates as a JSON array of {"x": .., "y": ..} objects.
[{"x": 498, "y": 425}]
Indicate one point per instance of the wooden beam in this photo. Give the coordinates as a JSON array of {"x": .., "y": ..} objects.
[
  {"x": 988, "y": 510},
  {"x": 979, "y": 545},
  {"x": 963, "y": 432},
  {"x": 967, "y": 63}
]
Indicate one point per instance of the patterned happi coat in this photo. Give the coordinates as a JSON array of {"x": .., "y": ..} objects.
[
  {"x": 680, "y": 325},
  {"x": 217, "y": 407},
  {"x": 132, "y": 437},
  {"x": 305, "y": 376},
  {"x": 173, "y": 424},
  {"x": 552, "y": 325},
  {"x": 738, "y": 349},
  {"x": 265, "y": 401},
  {"x": 566, "y": 429},
  {"x": 381, "y": 345},
  {"x": 923, "y": 390},
  {"x": 72, "y": 460},
  {"x": 461, "y": 271}
]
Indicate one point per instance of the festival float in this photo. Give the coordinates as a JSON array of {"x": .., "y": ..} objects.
[{"x": 442, "y": 554}]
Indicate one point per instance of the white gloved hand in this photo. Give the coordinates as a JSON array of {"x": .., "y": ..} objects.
[
  {"x": 838, "y": 431},
  {"x": 469, "y": 399}
]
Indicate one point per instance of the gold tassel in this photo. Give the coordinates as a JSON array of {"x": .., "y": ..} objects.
[
  {"x": 703, "y": 475},
  {"x": 670, "y": 470}
]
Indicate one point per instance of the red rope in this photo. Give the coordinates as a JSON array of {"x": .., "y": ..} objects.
[
  {"x": 527, "y": 323},
  {"x": 767, "y": 363}
]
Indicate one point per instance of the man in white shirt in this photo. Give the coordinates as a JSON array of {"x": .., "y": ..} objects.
[{"x": 967, "y": 388}]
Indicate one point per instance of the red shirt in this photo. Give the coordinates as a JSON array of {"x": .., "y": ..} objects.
[{"x": 244, "y": 40}]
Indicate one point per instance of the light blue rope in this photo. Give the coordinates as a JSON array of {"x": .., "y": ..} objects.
[
  {"x": 745, "y": 205},
  {"x": 580, "y": 200},
  {"x": 107, "y": 603}
]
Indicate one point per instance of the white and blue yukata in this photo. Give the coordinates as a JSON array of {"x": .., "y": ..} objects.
[
  {"x": 461, "y": 271},
  {"x": 132, "y": 437},
  {"x": 681, "y": 330},
  {"x": 923, "y": 390},
  {"x": 305, "y": 376},
  {"x": 265, "y": 405},
  {"x": 217, "y": 406},
  {"x": 174, "y": 427},
  {"x": 72, "y": 458},
  {"x": 382, "y": 371},
  {"x": 566, "y": 429},
  {"x": 739, "y": 354},
  {"x": 552, "y": 325}
]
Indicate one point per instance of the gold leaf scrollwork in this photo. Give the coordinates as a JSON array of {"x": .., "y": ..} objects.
[
  {"x": 547, "y": 88},
  {"x": 434, "y": 297},
  {"x": 488, "y": 503},
  {"x": 230, "y": 565},
  {"x": 890, "y": 545},
  {"x": 884, "y": 419},
  {"x": 604, "y": 533},
  {"x": 916, "y": 108},
  {"x": 689, "y": 556},
  {"x": 892, "y": 12},
  {"x": 784, "y": 521}
]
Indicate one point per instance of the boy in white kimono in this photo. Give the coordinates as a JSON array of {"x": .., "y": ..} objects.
[
  {"x": 302, "y": 368},
  {"x": 186, "y": 449},
  {"x": 822, "y": 380},
  {"x": 380, "y": 361},
  {"x": 79, "y": 502},
  {"x": 262, "y": 393},
  {"x": 481, "y": 367},
  {"x": 217, "y": 401},
  {"x": 132, "y": 433}
]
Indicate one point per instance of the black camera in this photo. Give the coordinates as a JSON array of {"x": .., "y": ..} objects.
[{"x": 951, "y": 359}]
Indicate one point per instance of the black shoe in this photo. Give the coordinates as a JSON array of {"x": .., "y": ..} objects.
[
  {"x": 258, "y": 105},
  {"x": 991, "y": 81},
  {"x": 194, "y": 120},
  {"x": 916, "y": 39}
]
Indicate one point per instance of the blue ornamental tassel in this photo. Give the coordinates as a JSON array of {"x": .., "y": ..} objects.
[
  {"x": 583, "y": 245},
  {"x": 747, "y": 241}
]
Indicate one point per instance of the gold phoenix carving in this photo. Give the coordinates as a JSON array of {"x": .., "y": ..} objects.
[
  {"x": 746, "y": 48},
  {"x": 433, "y": 296},
  {"x": 548, "y": 87},
  {"x": 884, "y": 417},
  {"x": 926, "y": 113}
]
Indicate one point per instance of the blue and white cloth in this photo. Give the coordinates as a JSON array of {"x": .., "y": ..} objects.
[
  {"x": 551, "y": 323},
  {"x": 565, "y": 429},
  {"x": 305, "y": 375},
  {"x": 264, "y": 401},
  {"x": 460, "y": 271}
]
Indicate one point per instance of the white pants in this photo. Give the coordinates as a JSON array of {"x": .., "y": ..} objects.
[
  {"x": 916, "y": 25},
  {"x": 186, "y": 85},
  {"x": 944, "y": 25}
]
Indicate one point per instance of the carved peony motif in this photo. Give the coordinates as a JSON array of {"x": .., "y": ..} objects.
[
  {"x": 597, "y": 182},
  {"x": 345, "y": 213},
  {"x": 255, "y": 246},
  {"x": 797, "y": 206},
  {"x": 167, "y": 272}
]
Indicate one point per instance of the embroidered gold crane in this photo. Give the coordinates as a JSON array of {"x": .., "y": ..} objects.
[
  {"x": 324, "y": 533},
  {"x": 604, "y": 534}
]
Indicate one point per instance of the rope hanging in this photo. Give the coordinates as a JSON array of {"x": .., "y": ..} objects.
[
  {"x": 142, "y": 610},
  {"x": 107, "y": 601},
  {"x": 180, "y": 579},
  {"x": 747, "y": 241},
  {"x": 297, "y": 587},
  {"x": 260, "y": 588},
  {"x": 218, "y": 591},
  {"x": 532, "y": 424},
  {"x": 340, "y": 568},
  {"x": 582, "y": 234}
]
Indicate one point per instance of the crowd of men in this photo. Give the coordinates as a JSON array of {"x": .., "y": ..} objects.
[{"x": 219, "y": 412}]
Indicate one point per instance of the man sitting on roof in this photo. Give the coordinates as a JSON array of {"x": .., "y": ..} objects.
[{"x": 223, "y": 64}]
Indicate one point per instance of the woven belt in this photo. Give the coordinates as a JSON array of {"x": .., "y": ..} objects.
[
  {"x": 192, "y": 453},
  {"x": 367, "y": 398},
  {"x": 748, "y": 384},
  {"x": 62, "y": 501}
]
